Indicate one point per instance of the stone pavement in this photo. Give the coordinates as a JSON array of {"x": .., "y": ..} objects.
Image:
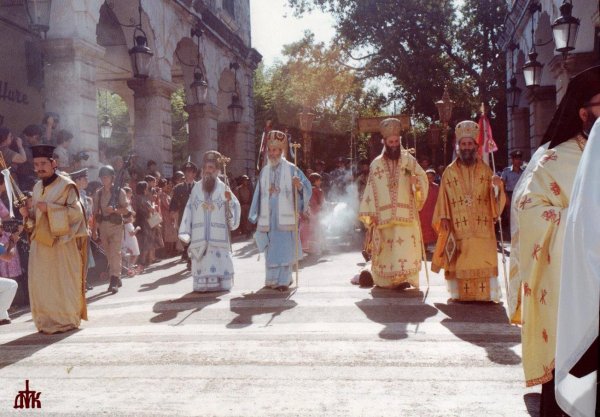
[{"x": 326, "y": 349}]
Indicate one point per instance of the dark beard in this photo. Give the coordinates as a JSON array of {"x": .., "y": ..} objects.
[
  {"x": 588, "y": 124},
  {"x": 392, "y": 153},
  {"x": 467, "y": 156},
  {"x": 209, "y": 183}
]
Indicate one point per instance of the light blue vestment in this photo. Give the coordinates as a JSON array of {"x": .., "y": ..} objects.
[{"x": 279, "y": 250}]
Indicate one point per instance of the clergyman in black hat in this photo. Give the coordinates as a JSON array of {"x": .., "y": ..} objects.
[
  {"x": 541, "y": 218},
  {"x": 58, "y": 249},
  {"x": 181, "y": 193}
]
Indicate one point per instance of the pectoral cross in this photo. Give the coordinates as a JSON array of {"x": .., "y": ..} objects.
[{"x": 468, "y": 200}]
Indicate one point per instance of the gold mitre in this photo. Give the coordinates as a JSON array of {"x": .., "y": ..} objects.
[
  {"x": 467, "y": 129},
  {"x": 277, "y": 139},
  {"x": 390, "y": 127}
]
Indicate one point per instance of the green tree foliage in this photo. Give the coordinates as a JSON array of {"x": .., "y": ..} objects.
[
  {"x": 423, "y": 45},
  {"x": 314, "y": 77},
  {"x": 112, "y": 105},
  {"x": 179, "y": 128}
]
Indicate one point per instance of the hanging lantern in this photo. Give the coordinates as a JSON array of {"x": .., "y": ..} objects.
[
  {"x": 106, "y": 127},
  {"x": 235, "y": 109},
  {"x": 532, "y": 71},
  {"x": 513, "y": 94},
  {"x": 199, "y": 87},
  {"x": 565, "y": 29},
  {"x": 39, "y": 14},
  {"x": 141, "y": 55},
  {"x": 445, "y": 106}
]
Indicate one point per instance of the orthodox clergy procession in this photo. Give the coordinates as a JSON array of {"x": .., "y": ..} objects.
[
  {"x": 282, "y": 191},
  {"x": 396, "y": 190},
  {"x": 390, "y": 212},
  {"x": 470, "y": 200},
  {"x": 212, "y": 212}
]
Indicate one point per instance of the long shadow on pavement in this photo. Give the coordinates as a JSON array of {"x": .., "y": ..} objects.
[
  {"x": 170, "y": 309},
  {"x": 168, "y": 280},
  {"x": 246, "y": 251},
  {"x": 497, "y": 346},
  {"x": 263, "y": 301},
  {"x": 24, "y": 347},
  {"x": 396, "y": 316}
]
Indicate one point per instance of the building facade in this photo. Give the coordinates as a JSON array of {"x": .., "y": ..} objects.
[
  {"x": 530, "y": 115},
  {"x": 86, "y": 49}
]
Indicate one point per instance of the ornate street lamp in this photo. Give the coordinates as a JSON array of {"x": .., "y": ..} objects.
[
  {"x": 306, "y": 119},
  {"x": 445, "y": 106},
  {"x": 38, "y": 12},
  {"x": 235, "y": 108},
  {"x": 565, "y": 29},
  {"x": 140, "y": 54},
  {"x": 532, "y": 70},
  {"x": 106, "y": 127},
  {"x": 199, "y": 86}
]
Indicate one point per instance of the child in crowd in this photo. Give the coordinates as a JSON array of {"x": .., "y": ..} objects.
[
  {"x": 130, "y": 248},
  {"x": 310, "y": 225}
]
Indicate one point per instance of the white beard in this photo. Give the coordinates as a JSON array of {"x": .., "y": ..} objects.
[{"x": 274, "y": 162}]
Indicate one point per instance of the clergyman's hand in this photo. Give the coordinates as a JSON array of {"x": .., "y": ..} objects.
[
  {"x": 228, "y": 195},
  {"x": 413, "y": 180},
  {"x": 497, "y": 181},
  {"x": 297, "y": 183}
]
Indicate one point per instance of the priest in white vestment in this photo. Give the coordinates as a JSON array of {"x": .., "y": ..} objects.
[
  {"x": 280, "y": 184},
  {"x": 211, "y": 213},
  {"x": 578, "y": 305}
]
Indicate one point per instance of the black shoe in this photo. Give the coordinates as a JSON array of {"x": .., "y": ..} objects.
[
  {"x": 88, "y": 287},
  {"x": 403, "y": 286},
  {"x": 189, "y": 265},
  {"x": 114, "y": 285},
  {"x": 365, "y": 279},
  {"x": 5, "y": 321},
  {"x": 119, "y": 282}
]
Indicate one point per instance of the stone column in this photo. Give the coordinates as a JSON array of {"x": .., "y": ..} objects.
[
  {"x": 564, "y": 69},
  {"x": 203, "y": 120},
  {"x": 519, "y": 132},
  {"x": 542, "y": 104},
  {"x": 152, "y": 137},
  {"x": 243, "y": 161},
  {"x": 70, "y": 91}
]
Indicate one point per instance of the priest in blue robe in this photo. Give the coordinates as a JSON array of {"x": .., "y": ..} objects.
[
  {"x": 211, "y": 212},
  {"x": 280, "y": 185}
]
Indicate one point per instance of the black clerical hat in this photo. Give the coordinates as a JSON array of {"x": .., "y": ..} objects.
[
  {"x": 566, "y": 122},
  {"x": 42, "y": 151}
]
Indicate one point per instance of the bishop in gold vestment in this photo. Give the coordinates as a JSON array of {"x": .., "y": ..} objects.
[
  {"x": 58, "y": 253},
  {"x": 467, "y": 208},
  {"x": 396, "y": 190}
]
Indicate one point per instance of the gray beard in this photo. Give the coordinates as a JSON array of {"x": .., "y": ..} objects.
[
  {"x": 274, "y": 162},
  {"x": 467, "y": 157},
  {"x": 209, "y": 183}
]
